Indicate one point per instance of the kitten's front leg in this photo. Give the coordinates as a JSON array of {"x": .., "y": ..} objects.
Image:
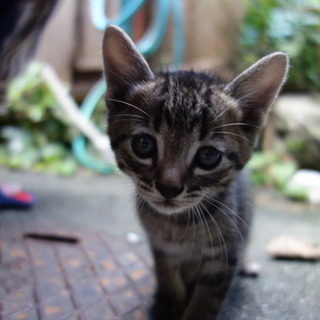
[
  {"x": 170, "y": 296},
  {"x": 210, "y": 292}
]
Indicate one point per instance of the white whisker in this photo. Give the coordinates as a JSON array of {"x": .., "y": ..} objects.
[
  {"x": 129, "y": 104},
  {"x": 220, "y": 235},
  {"x": 222, "y": 113},
  {"x": 231, "y": 210},
  {"x": 187, "y": 226},
  {"x": 211, "y": 240},
  {"x": 200, "y": 223},
  {"x": 126, "y": 120},
  {"x": 237, "y": 135},
  {"x": 237, "y": 124},
  {"x": 127, "y": 116},
  {"x": 245, "y": 97},
  {"x": 191, "y": 210},
  {"x": 228, "y": 217}
]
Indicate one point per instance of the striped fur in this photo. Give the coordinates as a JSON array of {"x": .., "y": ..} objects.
[{"x": 184, "y": 138}]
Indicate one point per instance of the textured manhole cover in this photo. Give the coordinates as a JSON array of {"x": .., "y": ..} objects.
[{"x": 61, "y": 275}]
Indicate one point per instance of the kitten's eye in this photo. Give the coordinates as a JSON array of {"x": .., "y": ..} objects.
[
  {"x": 208, "y": 158},
  {"x": 144, "y": 146}
]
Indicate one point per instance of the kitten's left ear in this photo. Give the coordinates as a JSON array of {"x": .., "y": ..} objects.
[
  {"x": 256, "y": 88},
  {"x": 124, "y": 66}
]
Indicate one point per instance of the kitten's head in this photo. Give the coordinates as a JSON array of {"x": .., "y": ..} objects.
[{"x": 183, "y": 136}]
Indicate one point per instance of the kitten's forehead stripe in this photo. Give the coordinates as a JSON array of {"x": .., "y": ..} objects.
[
  {"x": 157, "y": 123},
  {"x": 204, "y": 129},
  {"x": 207, "y": 95},
  {"x": 186, "y": 100},
  {"x": 168, "y": 119}
]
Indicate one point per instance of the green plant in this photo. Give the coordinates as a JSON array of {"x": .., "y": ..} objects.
[
  {"x": 35, "y": 133},
  {"x": 275, "y": 170},
  {"x": 292, "y": 26}
]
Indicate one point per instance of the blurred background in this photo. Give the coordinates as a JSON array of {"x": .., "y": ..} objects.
[
  {"x": 39, "y": 133},
  {"x": 61, "y": 260}
]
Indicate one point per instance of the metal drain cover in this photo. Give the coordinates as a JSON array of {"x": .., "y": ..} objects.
[{"x": 60, "y": 275}]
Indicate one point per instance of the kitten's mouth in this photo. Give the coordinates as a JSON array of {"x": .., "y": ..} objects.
[{"x": 167, "y": 206}]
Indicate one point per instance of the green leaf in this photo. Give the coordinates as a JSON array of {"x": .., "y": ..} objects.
[
  {"x": 281, "y": 172},
  {"x": 42, "y": 133},
  {"x": 3, "y": 155},
  {"x": 52, "y": 152},
  {"x": 67, "y": 167},
  {"x": 261, "y": 160},
  {"x": 259, "y": 177},
  {"x": 295, "y": 192},
  {"x": 287, "y": 25},
  {"x": 16, "y": 162},
  {"x": 35, "y": 114}
]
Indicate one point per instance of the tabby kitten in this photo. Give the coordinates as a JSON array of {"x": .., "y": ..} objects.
[{"x": 184, "y": 138}]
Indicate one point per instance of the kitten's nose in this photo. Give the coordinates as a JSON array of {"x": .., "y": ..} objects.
[{"x": 169, "y": 192}]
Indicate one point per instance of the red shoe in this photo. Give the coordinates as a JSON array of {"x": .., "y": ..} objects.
[{"x": 15, "y": 198}]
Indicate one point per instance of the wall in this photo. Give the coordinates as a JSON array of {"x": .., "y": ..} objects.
[{"x": 71, "y": 44}]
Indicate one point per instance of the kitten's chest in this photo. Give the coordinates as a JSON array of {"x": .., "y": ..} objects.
[{"x": 186, "y": 240}]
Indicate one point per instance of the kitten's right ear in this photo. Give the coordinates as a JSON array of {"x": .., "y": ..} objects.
[
  {"x": 124, "y": 66},
  {"x": 256, "y": 88}
]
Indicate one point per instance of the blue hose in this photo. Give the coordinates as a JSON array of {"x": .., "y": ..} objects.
[
  {"x": 149, "y": 43},
  {"x": 153, "y": 37},
  {"x": 178, "y": 40},
  {"x": 78, "y": 145},
  {"x": 100, "y": 20}
]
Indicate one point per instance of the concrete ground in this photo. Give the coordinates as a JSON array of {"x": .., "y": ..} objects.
[{"x": 102, "y": 276}]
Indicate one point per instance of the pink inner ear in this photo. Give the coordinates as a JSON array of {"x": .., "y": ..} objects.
[
  {"x": 114, "y": 53},
  {"x": 262, "y": 91},
  {"x": 260, "y": 84},
  {"x": 124, "y": 65},
  {"x": 269, "y": 80}
]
